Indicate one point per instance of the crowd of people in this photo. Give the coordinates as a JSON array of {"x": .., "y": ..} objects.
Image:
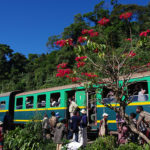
[
  {"x": 73, "y": 129},
  {"x": 125, "y": 135},
  {"x": 77, "y": 126}
]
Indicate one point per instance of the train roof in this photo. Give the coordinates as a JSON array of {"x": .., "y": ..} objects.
[
  {"x": 51, "y": 89},
  {"x": 5, "y": 94},
  {"x": 9, "y": 93},
  {"x": 136, "y": 75}
]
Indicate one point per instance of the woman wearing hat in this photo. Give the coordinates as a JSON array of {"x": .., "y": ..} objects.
[{"x": 103, "y": 127}]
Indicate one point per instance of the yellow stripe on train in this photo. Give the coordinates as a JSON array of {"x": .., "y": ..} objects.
[
  {"x": 38, "y": 109},
  {"x": 26, "y": 120},
  {"x": 109, "y": 121},
  {"x": 131, "y": 104},
  {"x": 3, "y": 110}
]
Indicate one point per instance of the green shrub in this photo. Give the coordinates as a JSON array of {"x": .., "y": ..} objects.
[
  {"x": 105, "y": 143},
  {"x": 27, "y": 138},
  {"x": 130, "y": 146},
  {"x": 133, "y": 146}
]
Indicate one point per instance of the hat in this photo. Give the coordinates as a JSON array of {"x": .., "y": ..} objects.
[
  {"x": 1, "y": 122},
  {"x": 105, "y": 114},
  {"x": 83, "y": 111},
  {"x": 57, "y": 114}
]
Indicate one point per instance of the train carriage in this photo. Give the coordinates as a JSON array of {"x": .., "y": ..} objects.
[
  {"x": 27, "y": 104},
  {"x": 7, "y": 104},
  {"x": 139, "y": 80},
  {"x": 23, "y": 106}
]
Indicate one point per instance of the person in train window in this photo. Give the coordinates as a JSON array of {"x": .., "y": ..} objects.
[
  {"x": 27, "y": 103},
  {"x": 53, "y": 102},
  {"x": 111, "y": 97},
  {"x": 43, "y": 103},
  {"x": 58, "y": 102},
  {"x": 141, "y": 95}
]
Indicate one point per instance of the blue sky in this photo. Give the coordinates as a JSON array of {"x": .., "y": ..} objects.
[{"x": 26, "y": 24}]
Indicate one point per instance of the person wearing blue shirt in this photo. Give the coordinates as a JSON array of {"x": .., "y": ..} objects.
[
  {"x": 83, "y": 124},
  {"x": 74, "y": 124}
]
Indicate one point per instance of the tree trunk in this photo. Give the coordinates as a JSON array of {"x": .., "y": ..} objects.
[
  {"x": 131, "y": 124},
  {"x": 134, "y": 129}
]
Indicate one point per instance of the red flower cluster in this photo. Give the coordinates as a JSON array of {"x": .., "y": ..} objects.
[
  {"x": 93, "y": 34},
  {"x": 86, "y": 31},
  {"x": 80, "y": 58},
  {"x": 81, "y": 39},
  {"x": 90, "y": 75},
  {"x": 129, "y": 39},
  {"x": 62, "y": 43},
  {"x": 90, "y": 32},
  {"x": 131, "y": 54},
  {"x": 63, "y": 72},
  {"x": 103, "y": 21},
  {"x": 73, "y": 79},
  {"x": 80, "y": 64},
  {"x": 125, "y": 15},
  {"x": 69, "y": 42},
  {"x": 63, "y": 65},
  {"x": 148, "y": 64},
  {"x": 144, "y": 33}
]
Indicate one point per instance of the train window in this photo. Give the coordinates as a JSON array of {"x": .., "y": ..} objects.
[
  {"x": 41, "y": 101},
  {"x": 55, "y": 100},
  {"x": 29, "y": 102},
  {"x": 138, "y": 91},
  {"x": 19, "y": 104},
  {"x": 2, "y": 105},
  {"x": 108, "y": 96}
]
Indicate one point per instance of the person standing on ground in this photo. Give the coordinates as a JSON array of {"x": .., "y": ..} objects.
[
  {"x": 52, "y": 122},
  {"x": 84, "y": 127},
  {"x": 143, "y": 121},
  {"x": 74, "y": 123},
  {"x": 103, "y": 127},
  {"x": 72, "y": 106},
  {"x": 60, "y": 133},
  {"x": 1, "y": 136},
  {"x": 45, "y": 126}
]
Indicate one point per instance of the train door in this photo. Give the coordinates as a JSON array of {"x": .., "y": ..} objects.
[
  {"x": 92, "y": 112},
  {"x": 80, "y": 97}
]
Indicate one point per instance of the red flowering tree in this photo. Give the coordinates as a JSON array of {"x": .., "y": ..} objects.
[{"x": 100, "y": 63}]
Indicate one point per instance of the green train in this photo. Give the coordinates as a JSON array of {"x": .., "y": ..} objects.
[{"x": 22, "y": 106}]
